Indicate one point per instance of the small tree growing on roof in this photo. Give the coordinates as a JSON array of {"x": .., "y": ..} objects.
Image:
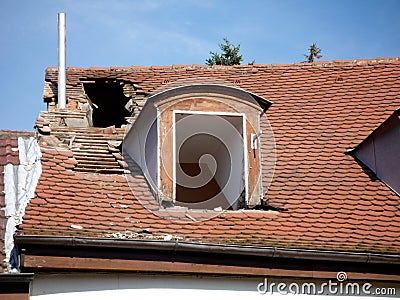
[
  {"x": 229, "y": 57},
  {"x": 314, "y": 52}
]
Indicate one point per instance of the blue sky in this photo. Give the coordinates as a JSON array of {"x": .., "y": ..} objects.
[{"x": 154, "y": 32}]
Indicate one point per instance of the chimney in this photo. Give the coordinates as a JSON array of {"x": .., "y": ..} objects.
[{"x": 62, "y": 101}]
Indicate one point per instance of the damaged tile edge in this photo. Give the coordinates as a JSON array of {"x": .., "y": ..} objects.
[{"x": 20, "y": 183}]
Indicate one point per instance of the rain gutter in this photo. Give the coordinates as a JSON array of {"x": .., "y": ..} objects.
[{"x": 26, "y": 241}]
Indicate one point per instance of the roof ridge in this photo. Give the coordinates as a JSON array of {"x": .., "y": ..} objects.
[
  {"x": 16, "y": 132},
  {"x": 358, "y": 61}
]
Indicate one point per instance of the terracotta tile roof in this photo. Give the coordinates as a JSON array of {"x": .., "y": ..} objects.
[
  {"x": 327, "y": 200},
  {"x": 8, "y": 155}
]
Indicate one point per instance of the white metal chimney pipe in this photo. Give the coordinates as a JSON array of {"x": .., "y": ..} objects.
[{"x": 62, "y": 100}]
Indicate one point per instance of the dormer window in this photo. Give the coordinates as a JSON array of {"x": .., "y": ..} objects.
[
  {"x": 198, "y": 146},
  {"x": 380, "y": 152}
]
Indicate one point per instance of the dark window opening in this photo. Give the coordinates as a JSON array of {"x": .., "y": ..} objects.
[
  {"x": 108, "y": 103},
  {"x": 209, "y": 189},
  {"x": 209, "y": 161}
]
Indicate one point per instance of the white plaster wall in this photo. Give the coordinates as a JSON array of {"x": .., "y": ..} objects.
[
  {"x": 124, "y": 286},
  {"x": 139, "y": 286},
  {"x": 19, "y": 188},
  {"x": 135, "y": 139},
  {"x": 381, "y": 153}
]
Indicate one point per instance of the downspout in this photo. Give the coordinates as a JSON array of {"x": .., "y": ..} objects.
[
  {"x": 62, "y": 100},
  {"x": 255, "y": 137}
]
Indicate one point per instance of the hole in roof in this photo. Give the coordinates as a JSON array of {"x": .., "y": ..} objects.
[{"x": 108, "y": 102}]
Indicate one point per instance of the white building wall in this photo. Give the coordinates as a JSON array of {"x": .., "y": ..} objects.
[{"x": 188, "y": 287}]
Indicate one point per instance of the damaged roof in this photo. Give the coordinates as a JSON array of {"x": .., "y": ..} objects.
[{"x": 322, "y": 198}]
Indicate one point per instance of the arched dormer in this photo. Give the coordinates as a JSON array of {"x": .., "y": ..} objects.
[{"x": 198, "y": 145}]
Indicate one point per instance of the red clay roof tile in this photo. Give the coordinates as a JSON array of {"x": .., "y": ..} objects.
[{"x": 320, "y": 110}]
